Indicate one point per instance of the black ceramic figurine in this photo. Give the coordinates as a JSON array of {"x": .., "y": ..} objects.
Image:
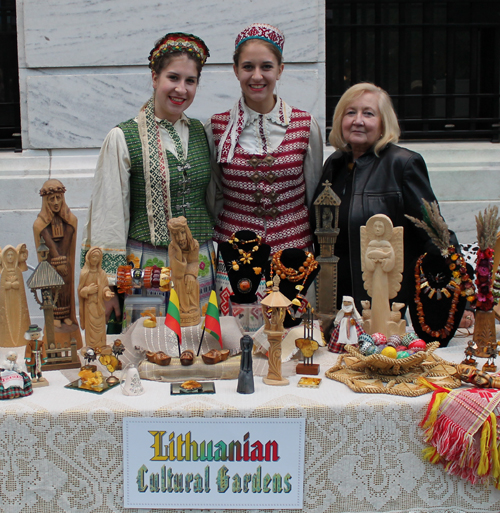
[{"x": 245, "y": 378}]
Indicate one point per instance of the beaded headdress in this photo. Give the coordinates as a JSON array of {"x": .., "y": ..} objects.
[
  {"x": 262, "y": 31},
  {"x": 178, "y": 41}
]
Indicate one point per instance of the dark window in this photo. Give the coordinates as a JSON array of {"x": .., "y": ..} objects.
[
  {"x": 438, "y": 59},
  {"x": 10, "y": 119}
]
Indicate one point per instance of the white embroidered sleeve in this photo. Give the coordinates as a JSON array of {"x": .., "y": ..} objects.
[{"x": 108, "y": 216}]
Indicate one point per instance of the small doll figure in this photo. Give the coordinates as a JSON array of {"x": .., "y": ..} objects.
[
  {"x": 11, "y": 362},
  {"x": 470, "y": 352},
  {"x": 118, "y": 349},
  {"x": 89, "y": 355},
  {"x": 36, "y": 354},
  {"x": 490, "y": 366},
  {"x": 347, "y": 327},
  {"x": 245, "y": 378}
]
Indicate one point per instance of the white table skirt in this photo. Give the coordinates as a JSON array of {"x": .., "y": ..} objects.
[{"x": 61, "y": 450}]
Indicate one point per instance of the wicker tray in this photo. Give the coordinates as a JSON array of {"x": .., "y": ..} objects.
[
  {"x": 354, "y": 373},
  {"x": 392, "y": 366}
]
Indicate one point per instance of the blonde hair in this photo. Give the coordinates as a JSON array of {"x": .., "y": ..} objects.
[{"x": 390, "y": 126}]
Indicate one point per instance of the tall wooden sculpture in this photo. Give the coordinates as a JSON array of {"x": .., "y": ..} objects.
[
  {"x": 183, "y": 259},
  {"x": 382, "y": 264},
  {"x": 14, "y": 313},
  {"x": 327, "y": 221},
  {"x": 277, "y": 303},
  {"x": 93, "y": 291},
  {"x": 58, "y": 226}
]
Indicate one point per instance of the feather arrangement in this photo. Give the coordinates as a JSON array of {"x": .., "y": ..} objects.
[
  {"x": 487, "y": 225},
  {"x": 434, "y": 225}
]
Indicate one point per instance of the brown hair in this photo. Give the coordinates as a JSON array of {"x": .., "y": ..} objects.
[
  {"x": 270, "y": 46},
  {"x": 165, "y": 59}
]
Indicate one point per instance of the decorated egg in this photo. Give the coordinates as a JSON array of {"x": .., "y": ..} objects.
[
  {"x": 400, "y": 348},
  {"x": 371, "y": 350},
  {"x": 402, "y": 354},
  {"x": 379, "y": 339},
  {"x": 363, "y": 347},
  {"x": 389, "y": 352},
  {"x": 394, "y": 341},
  {"x": 364, "y": 337},
  {"x": 408, "y": 339},
  {"x": 418, "y": 345},
  {"x": 380, "y": 348}
]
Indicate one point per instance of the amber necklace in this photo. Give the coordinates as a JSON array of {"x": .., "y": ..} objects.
[
  {"x": 422, "y": 285},
  {"x": 294, "y": 275},
  {"x": 246, "y": 256}
]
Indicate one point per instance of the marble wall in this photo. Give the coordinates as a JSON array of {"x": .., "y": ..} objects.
[{"x": 83, "y": 65}]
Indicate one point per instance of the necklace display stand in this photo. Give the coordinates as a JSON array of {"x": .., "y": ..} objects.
[
  {"x": 246, "y": 260},
  {"x": 438, "y": 304}
]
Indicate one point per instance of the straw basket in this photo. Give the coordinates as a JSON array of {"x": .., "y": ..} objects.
[{"x": 392, "y": 366}]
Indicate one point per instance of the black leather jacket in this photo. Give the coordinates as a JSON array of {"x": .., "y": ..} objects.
[{"x": 391, "y": 184}]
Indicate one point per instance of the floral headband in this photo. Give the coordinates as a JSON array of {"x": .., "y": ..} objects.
[
  {"x": 179, "y": 42},
  {"x": 52, "y": 189},
  {"x": 262, "y": 31}
]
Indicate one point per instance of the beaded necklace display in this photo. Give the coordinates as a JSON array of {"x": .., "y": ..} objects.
[
  {"x": 246, "y": 256},
  {"x": 294, "y": 275},
  {"x": 459, "y": 284}
]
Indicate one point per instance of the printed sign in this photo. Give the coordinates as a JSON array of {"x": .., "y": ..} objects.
[{"x": 213, "y": 463}]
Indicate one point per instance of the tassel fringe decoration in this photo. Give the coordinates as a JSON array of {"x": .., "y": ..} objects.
[{"x": 475, "y": 458}]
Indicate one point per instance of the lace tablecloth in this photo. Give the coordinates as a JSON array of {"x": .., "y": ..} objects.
[{"x": 61, "y": 450}]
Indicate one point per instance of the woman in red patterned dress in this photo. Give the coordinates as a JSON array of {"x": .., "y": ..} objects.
[{"x": 267, "y": 156}]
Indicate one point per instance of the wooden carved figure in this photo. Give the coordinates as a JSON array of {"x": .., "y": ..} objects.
[
  {"x": 276, "y": 303},
  {"x": 14, "y": 313},
  {"x": 382, "y": 265},
  {"x": 93, "y": 291},
  {"x": 35, "y": 354},
  {"x": 327, "y": 206},
  {"x": 183, "y": 253},
  {"x": 58, "y": 227}
]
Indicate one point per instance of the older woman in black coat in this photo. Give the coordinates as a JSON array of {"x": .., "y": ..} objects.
[{"x": 372, "y": 175}]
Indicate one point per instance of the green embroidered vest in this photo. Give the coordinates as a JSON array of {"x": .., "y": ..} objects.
[{"x": 199, "y": 220}]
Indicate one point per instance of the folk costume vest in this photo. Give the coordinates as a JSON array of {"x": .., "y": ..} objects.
[
  {"x": 187, "y": 187},
  {"x": 266, "y": 193}
]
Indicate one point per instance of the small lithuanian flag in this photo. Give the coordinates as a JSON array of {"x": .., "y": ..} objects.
[
  {"x": 173, "y": 318},
  {"x": 212, "y": 323}
]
